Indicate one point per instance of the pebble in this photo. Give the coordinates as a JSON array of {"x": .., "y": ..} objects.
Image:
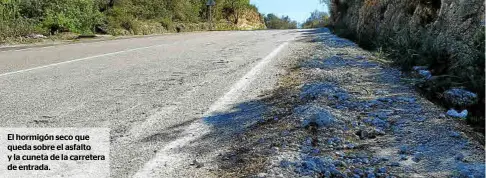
[
  {"x": 455, "y": 134},
  {"x": 425, "y": 73},
  {"x": 349, "y": 146},
  {"x": 420, "y": 119},
  {"x": 340, "y": 164},
  {"x": 403, "y": 149},
  {"x": 285, "y": 133},
  {"x": 358, "y": 171},
  {"x": 262, "y": 175},
  {"x": 418, "y": 156},
  {"x": 371, "y": 175},
  {"x": 417, "y": 68},
  {"x": 382, "y": 170},
  {"x": 327, "y": 174},
  {"x": 403, "y": 157},
  {"x": 395, "y": 164},
  {"x": 340, "y": 153},
  {"x": 284, "y": 163},
  {"x": 459, "y": 157},
  {"x": 454, "y": 113}
]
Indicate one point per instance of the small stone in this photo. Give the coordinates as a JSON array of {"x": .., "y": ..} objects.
[
  {"x": 403, "y": 149},
  {"x": 275, "y": 149},
  {"x": 403, "y": 157},
  {"x": 349, "y": 146},
  {"x": 262, "y": 175},
  {"x": 395, "y": 164},
  {"x": 375, "y": 161},
  {"x": 314, "y": 115},
  {"x": 358, "y": 171},
  {"x": 417, "y": 68},
  {"x": 442, "y": 115},
  {"x": 284, "y": 163},
  {"x": 35, "y": 36},
  {"x": 425, "y": 74},
  {"x": 340, "y": 153},
  {"x": 363, "y": 134},
  {"x": 382, "y": 170},
  {"x": 418, "y": 156},
  {"x": 453, "y": 113},
  {"x": 371, "y": 175},
  {"x": 340, "y": 164},
  {"x": 327, "y": 174},
  {"x": 420, "y": 119},
  {"x": 455, "y": 134},
  {"x": 308, "y": 141},
  {"x": 336, "y": 172},
  {"x": 196, "y": 163},
  {"x": 459, "y": 157},
  {"x": 378, "y": 122},
  {"x": 379, "y": 131}
]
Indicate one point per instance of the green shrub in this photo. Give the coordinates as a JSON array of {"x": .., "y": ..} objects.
[
  {"x": 317, "y": 20},
  {"x": 274, "y": 22}
]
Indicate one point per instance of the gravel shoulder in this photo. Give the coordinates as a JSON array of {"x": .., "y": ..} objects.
[{"x": 344, "y": 112}]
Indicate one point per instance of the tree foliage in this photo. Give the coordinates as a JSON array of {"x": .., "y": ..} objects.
[
  {"x": 21, "y": 17},
  {"x": 274, "y": 22},
  {"x": 317, "y": 19}
]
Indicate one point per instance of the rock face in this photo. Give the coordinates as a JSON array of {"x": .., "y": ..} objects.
[
  {"x": 448, "y": 24},
  {"x": 251, "y": 20},
  {"x": 445, "y": 36}
]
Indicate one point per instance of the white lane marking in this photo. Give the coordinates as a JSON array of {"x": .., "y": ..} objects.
[
  {"x": 24, "y": 49},
  {"x": 76, "y": 60},
  {"x": 236, "y": 89},
  {"x": 73, "y": 43},
  {"x": 166, "y": 156}
]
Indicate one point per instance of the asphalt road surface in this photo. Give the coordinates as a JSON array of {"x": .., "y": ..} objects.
[{"x": 151, "y": 92}]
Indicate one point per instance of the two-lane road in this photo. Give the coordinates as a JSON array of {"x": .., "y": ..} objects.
[{"x": 138, "y": 87}]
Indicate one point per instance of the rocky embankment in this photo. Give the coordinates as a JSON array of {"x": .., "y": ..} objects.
[
  {"x": 445, "y": 36},
  {"x": 343, "y": 112}
]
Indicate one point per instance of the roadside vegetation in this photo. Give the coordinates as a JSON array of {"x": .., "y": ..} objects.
[
  {"x": 274, "y": 22},
  {"x": 317, "y": 19},
  {"x": 21, "y": 20}
]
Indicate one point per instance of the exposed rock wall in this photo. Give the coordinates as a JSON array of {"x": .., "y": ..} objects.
[
  {"x": 445, "y": 35},
  {"x": 251, "y": 20}
]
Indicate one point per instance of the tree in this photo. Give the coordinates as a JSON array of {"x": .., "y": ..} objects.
[
  {"x": 317, "y": 19},
  {"x": 236, "y": 7},
  {"x": 274, "y": 22}
]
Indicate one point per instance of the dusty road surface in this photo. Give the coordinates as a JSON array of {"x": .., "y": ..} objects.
[{"x": 151, "y": 92}]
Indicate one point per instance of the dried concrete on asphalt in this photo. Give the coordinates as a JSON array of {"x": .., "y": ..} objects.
[{"x": 343, "y": 112}]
